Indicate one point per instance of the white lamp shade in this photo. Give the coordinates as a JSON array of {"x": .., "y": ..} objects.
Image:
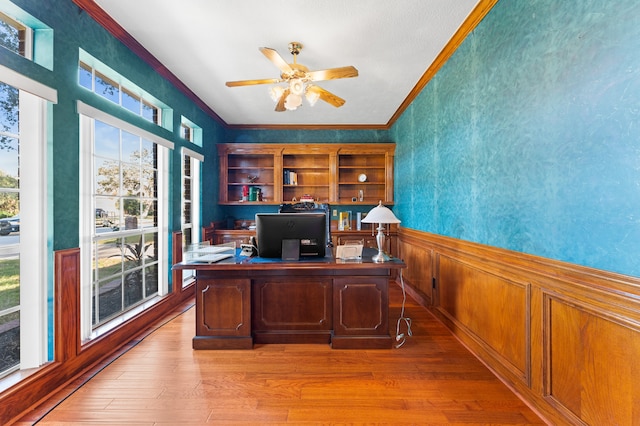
[
  {"x": 380, "y": 214},
  {"x": 312, "y": 97},
  {"x": 292, "y": 102},
  {"x": 276, "y": 93}
]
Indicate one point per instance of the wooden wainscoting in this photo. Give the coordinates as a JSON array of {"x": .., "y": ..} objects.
[
  {"x": 565, "y": 338},
  {"x": 67, "y": 296},
  {"x": 419, "y": 257},
  {"x": 492, "y": 309},
  {"x": 591, "y": 362}
]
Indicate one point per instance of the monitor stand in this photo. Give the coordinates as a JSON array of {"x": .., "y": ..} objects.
[{"x": 290, "y": 249}]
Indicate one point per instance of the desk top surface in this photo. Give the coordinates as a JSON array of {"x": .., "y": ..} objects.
[{"x": 261, "y": 263}]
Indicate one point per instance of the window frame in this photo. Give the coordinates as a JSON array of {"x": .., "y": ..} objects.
[
  {"x": 88, "y": 115},
  {"x": 33, "y": 232},
  {"x": 193, "y": 226},
  {"x": 35, "y": 99}
]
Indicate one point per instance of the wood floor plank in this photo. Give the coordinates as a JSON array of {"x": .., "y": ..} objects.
[{"x": 161, "y": 380}]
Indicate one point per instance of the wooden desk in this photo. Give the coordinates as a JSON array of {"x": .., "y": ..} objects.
[{"x": 242, "y": 301}]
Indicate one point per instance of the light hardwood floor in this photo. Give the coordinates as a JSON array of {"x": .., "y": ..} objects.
[{"x": 160, "y": 380}]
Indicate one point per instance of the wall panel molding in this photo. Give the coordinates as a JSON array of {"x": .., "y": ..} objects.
[
  {"x": 420, "y": 260},
  {"x": 67, "y": 303},
  {"x": 492, "y": 310},
  {"x": 590, "y": 348},
  {"x": 564, "y": 337}
]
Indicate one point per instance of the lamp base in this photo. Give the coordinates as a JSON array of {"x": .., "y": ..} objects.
[{"x": 381, "y": 257}]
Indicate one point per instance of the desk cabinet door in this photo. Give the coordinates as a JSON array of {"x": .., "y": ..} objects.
[
  {"x": 361, "y": 306},
  {"x": 292, "y": 303},
  {"x": 224, "y": 308}
]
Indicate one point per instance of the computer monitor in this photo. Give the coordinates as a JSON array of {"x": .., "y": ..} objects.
[
  {"x": 308, "y": 229},
  {"x": 309, "y": 207}
]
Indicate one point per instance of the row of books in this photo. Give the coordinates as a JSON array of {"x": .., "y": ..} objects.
[{"x": 290, "y": 177}]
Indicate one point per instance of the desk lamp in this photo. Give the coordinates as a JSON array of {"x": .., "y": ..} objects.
[{"x": 380, "y": 215}]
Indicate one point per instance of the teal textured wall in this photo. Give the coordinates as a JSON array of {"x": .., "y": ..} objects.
[
  {"x": 74, "y": 29},
  {"x": 306, "y": 136},
  {"x": 529, "y": 137}
]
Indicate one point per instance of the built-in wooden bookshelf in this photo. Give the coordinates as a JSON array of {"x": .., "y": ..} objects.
[
  {"x": 362, "y": 176},
  {"x": 310, "y": 169},
  {"x": 327, "y": 173},
  {"x": 243, "y": 166}
]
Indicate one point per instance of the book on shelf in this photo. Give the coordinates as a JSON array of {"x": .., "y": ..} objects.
[
  {"x": 344, "y": 221},
  {"x": 290, "y": 177}
]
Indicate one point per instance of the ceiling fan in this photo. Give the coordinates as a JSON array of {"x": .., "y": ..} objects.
[{"x": 299, "y": 81}]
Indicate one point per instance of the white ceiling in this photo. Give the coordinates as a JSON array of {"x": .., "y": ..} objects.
[{"x": 205, "y": 43}]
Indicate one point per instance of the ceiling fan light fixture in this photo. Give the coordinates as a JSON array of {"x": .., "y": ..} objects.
[
  {"x": 298, "y": 78},
  {"x": 296, "y": 86},
  {"x": 312, "y": 97},
  {"x": 276, "y": 93},
  {"x": 292, "y": 102}
]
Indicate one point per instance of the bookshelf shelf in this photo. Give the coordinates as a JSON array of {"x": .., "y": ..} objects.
[{"x": 328, "y": 173}]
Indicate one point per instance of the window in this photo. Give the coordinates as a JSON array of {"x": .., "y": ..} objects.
[
  {"x": 190, "y": 132},
  {"x": 15, "y": 36},
  {"x": 9, "y": 230},
  {"x": 24, "y": 342},
  {"x": 186, "y": 132},
  {"x": 105, "y": 82},
  {"x": 124, "y": 227},
  {"x": 190, "y": 204},
  {"x": 33, "y": 41},
  {"x": 125, "y": 249},
  {"x": 110, "y": 89}
]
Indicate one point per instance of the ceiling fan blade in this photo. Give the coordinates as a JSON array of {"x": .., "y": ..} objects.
[
  {"x": 275, "y": 57},
  {"x": 333, "y": 73},
  {"x": 327, "y": 96},
  {"x": 280, "y": 105},
  {"x": 252, "y": 82}
]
